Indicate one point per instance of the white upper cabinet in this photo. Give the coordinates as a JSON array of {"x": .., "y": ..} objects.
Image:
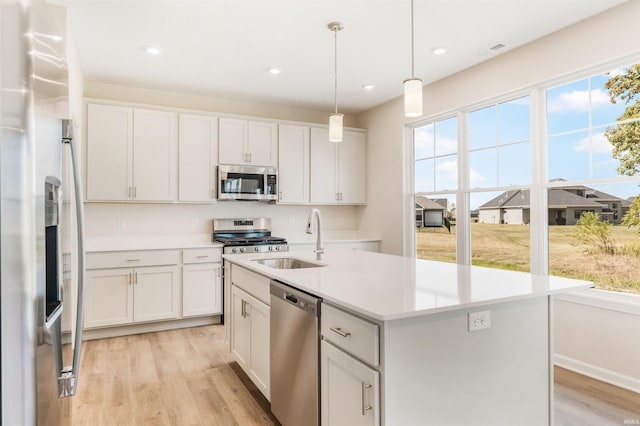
[
  {"x": 109, "y": 153},
  {"x": 293, "y": 164},
  {"x": 338, "y": 169},
  {"x": 198, "y": 158},
  {"x": 131, "y": 154},
  {"x": 248, "y": 142},
  {"x": 154, "y": 155}
]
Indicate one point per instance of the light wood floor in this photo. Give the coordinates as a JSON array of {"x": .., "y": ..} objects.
[{"x": 187, "y": 378}]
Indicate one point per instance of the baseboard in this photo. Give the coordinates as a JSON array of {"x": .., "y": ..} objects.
[
  {"x": 598, "y": 373},
  {"x": 102, "y": 333}
]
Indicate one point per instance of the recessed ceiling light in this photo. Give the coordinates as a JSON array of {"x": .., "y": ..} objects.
[
  {"x": 498, "y": 46},
  {"x": 274, "y": 71},
  {"x": 367, "y": 87},
  {"x": 152, "y": 50},
  {"x": 440, "y": 50}
]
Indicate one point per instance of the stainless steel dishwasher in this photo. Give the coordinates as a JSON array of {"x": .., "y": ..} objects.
[{"x": 294, "y": 334}]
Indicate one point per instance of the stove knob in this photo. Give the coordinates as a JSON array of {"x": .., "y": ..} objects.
[
  {"x": 256, "y": 248},
  {"x": 277, "y": 248},
  {"x": 270, "y": 248},
  {"x": 241, "y": 249},
  {"x": 234, "y": 250}
]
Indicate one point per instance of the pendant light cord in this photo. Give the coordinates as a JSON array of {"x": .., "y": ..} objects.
[
  {"x": 335, "y": 68},
  {"x": 412, "y": 54}
]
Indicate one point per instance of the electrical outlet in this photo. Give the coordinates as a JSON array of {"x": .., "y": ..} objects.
[
  {"x": 194, "y": 223},
  {"x": 121, "y": 225},
  {"x": 479, "y": 320}
]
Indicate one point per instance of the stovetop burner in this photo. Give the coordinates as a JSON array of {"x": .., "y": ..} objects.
[{"x": 247, "y": 235}]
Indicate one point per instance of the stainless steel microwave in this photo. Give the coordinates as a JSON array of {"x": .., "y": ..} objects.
[{"x": 247, "y": 183}]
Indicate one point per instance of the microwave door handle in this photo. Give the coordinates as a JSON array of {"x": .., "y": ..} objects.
[{"x": 68, "y": 379}]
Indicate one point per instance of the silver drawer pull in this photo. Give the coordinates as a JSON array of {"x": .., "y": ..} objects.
[
  {"x": 365, "y": 407},
  {"x": 340, "y": 331},
  {"x": 203, "y": 256},
  {"x": 133, "y": 260}
]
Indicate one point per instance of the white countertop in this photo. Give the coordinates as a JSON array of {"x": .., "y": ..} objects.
[
  {"x": 387, "y": 287},
  {"x": 148, "y": 242}
]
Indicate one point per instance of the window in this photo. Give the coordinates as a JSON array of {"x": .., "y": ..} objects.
[
  {"x": 592, "y": 127},
  {"x": 500, "y": 157},
  {"x": 435, "y": 179},
  {"x": 590, "y": 179}
]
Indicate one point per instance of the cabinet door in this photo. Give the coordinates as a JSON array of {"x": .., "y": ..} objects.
[
  {"x": 349, "y": 389},
  {"x": 323, "y": 172},
  {"x": 108, "y": 297},
  {"x": 262, "y": 144},
  {"x": 240, "y": 328},
  {"x": 351, "y": 166},
  {"x": 198, "y": 158},
  {"x": 232, "y": 141},
  {"x": 154, "y": 155},
  {"x": 201, "y": 289},
  {"x": 259, "y": 315},
  {"x": 155, "y": 293},
  {"x": 293, "y": 164},
  {"x": 109, "y": 153}
]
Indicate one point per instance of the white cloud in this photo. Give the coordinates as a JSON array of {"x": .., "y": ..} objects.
[
  {"x": 476, "y": 179},
  {"x": 599, "y": 144},
  {"x": 424, "y": 140},
  {"x": 578, "y": 101}
]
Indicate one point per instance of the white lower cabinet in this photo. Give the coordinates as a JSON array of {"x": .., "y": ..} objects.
[
  {"x": 250, "y": 337},
  {"x": 349, "y": 389},
  {"x": 201, "y": 289},
  {"x": 126, "y": 295}
]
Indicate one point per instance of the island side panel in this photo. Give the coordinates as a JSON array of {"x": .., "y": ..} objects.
[{"x": 437, "y": 372}]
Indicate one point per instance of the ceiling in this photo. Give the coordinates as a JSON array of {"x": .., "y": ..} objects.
[{"x": 224, "y": 48}]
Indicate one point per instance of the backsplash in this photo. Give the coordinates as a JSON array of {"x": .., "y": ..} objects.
[{"x": 112, "y": 219}]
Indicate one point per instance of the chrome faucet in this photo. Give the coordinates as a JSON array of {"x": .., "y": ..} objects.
[{"x": 319, "y": 249}]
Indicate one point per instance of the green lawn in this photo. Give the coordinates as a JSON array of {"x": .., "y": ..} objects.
[{"x": 507, "y": 247}]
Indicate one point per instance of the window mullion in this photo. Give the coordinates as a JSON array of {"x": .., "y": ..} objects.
[
  {"x": 463, "y": 213},
  {"x": 538, "y": 200}
]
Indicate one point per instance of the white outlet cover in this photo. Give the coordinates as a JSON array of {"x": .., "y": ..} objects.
[{"x": 480, "y": 320}]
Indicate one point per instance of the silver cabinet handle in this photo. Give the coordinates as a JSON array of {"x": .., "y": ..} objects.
[
  {"x": 249, "y": 157},
  {"x": 133, "y": 260},
  {"x": 135, "y": 278},
  {"x": 129, "y": 278},
  {"x": 280, "y": 196},
  {"x": 134, "y": 192},
  {"x": 365, "y": 407},
  {"x": 340, "y": 331},
  {"x": 218, "y": 273},
  {"x": 203, "y": 256},
  {"x": 337, "y": 198}
]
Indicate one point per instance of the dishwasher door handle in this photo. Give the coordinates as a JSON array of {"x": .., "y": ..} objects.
[{"x": 290, "y": 298}]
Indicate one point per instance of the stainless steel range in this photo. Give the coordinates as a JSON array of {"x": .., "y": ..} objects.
[{"x": 247, "y": 236}]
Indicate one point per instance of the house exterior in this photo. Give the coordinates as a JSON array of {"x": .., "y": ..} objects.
[
  {"x": 566, "y": 205},
  {"x": 430, "y": 212}
]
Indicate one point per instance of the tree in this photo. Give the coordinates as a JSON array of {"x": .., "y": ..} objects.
[
  {"x": 625, "y": 137},
  {"x": 632, "y": 217},
  {"x": 590, "y": 230}
]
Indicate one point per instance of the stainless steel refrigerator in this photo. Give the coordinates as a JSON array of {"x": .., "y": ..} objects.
[{"x": 37, "y": 153}]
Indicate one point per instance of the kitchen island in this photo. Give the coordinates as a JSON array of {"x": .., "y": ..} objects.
[{"x": 416, "y": 342}]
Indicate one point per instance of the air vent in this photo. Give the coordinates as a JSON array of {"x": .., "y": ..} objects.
[{"x": 497, "y": 47}]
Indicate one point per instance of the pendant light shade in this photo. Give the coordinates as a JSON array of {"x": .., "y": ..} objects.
[
  {"x": 413, "y": 97},
  {"x": 412, "y": 86},
  {"x": 335, "y": 127},
  {"x": 335, "y": 119}
]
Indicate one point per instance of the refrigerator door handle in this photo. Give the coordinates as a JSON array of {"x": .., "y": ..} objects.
[{"x": 68, "y": 377}]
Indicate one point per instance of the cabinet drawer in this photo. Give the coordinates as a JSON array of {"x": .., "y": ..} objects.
[
  {"x": 129, "y": 259},
  {"x": 204, "y": 255},
  {"x": 254, "y": 284},
  {"x": 355, "y": 335}
]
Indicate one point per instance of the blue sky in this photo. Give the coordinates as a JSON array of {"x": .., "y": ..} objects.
[{"x": 577, "y": 116}]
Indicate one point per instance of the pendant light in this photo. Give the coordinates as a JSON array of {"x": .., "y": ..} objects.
[
  {"x": 412, "y": 86},
  {"x": 335, "y": 119}
]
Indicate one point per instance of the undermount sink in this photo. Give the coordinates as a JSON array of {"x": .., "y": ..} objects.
[{"x": 287, "y": 263}]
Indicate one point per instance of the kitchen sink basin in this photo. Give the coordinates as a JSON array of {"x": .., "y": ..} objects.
[{"x": 287, "y": 263}]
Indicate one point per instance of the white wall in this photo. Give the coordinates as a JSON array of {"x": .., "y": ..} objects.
[{"x": 611, "y": 35}]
